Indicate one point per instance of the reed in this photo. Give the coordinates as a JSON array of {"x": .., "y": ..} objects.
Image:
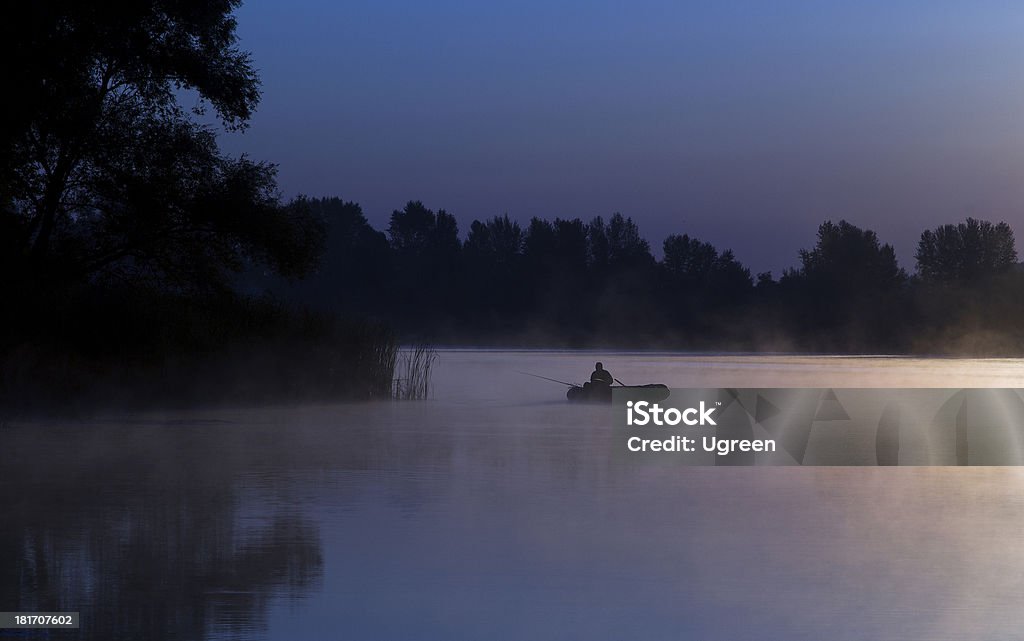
[{"x": 413, "y": 370}]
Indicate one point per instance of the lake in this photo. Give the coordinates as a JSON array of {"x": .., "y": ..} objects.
[{"x": 495, "y": 510}]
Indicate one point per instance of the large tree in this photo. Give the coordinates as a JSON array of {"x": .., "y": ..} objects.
[
  {"x": 427, "y": 254},
  {"x": 849, "y": 260},
  {"x": 966, "y": 251},
  {"x": 356, "y": 266},
  {"x": 846, "y": 292},
  {"x": 105, "y": 174},
  {"x": 700, "y": 277},
  {"x": 493, "y": 254},
  {"x": 495, "y": 245},
  {"x": 617, "y": 244},
  {"x": 418, "y": 233},
  {"x": 688, "y": 261}
]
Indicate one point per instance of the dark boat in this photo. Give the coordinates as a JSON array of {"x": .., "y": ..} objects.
[{"x": 590, "y": 393}]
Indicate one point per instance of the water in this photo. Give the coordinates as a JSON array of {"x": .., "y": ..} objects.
[{"x": 496, "y": 511}]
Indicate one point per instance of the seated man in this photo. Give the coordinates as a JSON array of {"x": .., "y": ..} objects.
[{"x": 601, "y": 376}]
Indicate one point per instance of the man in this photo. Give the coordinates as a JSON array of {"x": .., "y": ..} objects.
[{"x": 601, "y": 376}]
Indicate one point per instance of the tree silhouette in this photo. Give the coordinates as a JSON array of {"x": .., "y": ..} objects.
[
  {"x": 616, "y": 244},
  {"x": 109, "y": 177},
  {"x": 497, "y": 242},
  {"x": 701, "y": 280},
  {"x": 493, "y": 255},
  {"x": 850, "y": 259},
  {"x": 416, "y": 231},
  {"x": 124, "y": 230},
  {"x": 356, "y": 265},
  {"x": 626, "y": 247},
  {"x": 845, "y": 290},
  {"x": 427, "y": 252},
  {"x": 966, "y": 251},
  {"x": 688, "y": 261}
]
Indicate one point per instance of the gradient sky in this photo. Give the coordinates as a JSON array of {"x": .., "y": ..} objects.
[{"x": 745, "y": 123}]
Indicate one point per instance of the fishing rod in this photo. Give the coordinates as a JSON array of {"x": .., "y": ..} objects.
[{"x": 553, "y": 380}]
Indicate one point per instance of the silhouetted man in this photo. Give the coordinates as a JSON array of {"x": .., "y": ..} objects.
[{"x": 601, "y": 376}]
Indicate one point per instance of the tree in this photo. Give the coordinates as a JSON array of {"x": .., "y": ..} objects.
[
  {"x": 495, "y": 244},
  {"x": 559, "y": 246},
  {"x": 616, "y": 244},
  {"x": 555, "y": 275},
  {"x": 848, "y": 292},
  {"x": 571, "y": 243},
  {"x": 849, "y": 259},
  {"x": 620, "y": 268},
  {"x": 355, "y": 268},
  {"x": 730, "y": 278},
  {"x": 493, "y": 254},
  {"x": 699, "y": 272},
  {"x": 539, "y": 241},
  {"x": 107, "y": 176},
  {"x": 688, "y": 261},
  {"x": 427, "y": 253},
  {"x": 597, "y": 245},
  {"x": 967, "y": 251},
  {"x": 417, "y": 232},
  {"x": 626, "y": 247}
]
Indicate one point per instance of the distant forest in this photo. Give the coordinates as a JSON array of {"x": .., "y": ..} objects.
[{"x": 570, "y": 282}]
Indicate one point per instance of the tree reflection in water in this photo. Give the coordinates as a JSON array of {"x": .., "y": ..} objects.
[{"x": 144, "y": 530}]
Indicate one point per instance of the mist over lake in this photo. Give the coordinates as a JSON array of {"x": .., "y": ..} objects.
[{"x": 496, "y": 510}]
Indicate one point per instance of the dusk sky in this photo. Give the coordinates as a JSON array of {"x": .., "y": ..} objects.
[{"x": 745, "y": 123}]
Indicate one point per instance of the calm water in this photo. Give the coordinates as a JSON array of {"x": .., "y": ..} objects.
[{"x": 496, "y": 511}]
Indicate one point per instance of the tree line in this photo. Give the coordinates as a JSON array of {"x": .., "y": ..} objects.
[
  {"x": 136, "y": 256},
  {"x": 597, "y": 283}
]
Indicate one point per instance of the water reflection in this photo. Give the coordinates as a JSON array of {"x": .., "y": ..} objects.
[
  {"x": 497, "y": 511},
  {"x": 143, "y": 530}
]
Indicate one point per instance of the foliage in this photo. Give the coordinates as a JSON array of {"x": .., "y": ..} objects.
[
  {"x": 849, "y": 258},
  {"x": 107, "y": 177},
  {"x": 123, "y": 226},
  {"x": 567, "y": 282},
  {"x": 967, "y": 251}
]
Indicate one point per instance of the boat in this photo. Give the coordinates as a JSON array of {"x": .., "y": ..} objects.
[{"x": 590, "y": 393}]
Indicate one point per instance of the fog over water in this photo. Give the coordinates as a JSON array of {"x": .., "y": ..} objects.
[{"x": 496, "y": 510}]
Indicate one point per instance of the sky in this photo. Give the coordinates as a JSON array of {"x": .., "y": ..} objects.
[{"x": 742, "y": 122}]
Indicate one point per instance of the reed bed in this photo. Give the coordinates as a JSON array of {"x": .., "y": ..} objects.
[{"x": 413, "y": 369}]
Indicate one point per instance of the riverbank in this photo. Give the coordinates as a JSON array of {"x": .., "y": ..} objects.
[{"x": 167, "y": 352}]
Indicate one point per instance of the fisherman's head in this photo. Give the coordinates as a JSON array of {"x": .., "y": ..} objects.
[{"x": 598, "y": 366}]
